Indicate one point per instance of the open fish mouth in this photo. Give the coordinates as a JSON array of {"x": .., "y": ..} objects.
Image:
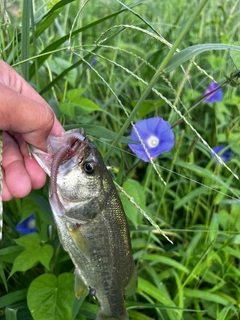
[
  {"x": 75, "y": 144},
  {"x": 64, "y": 152},
  {"x": 73, "y": 137}
]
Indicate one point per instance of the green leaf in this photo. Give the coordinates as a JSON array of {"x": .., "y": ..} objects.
[
  {"x": 26, "y": 16},
  {"x": 148, "y": 106},
  {"x": 99, "y": 132},
  {"x": 13, "y": 297},
  {"x": 152, "y": 291},
  {"x": 49, "y": 18},
  {"x": 73, "y": 110},
  {"x": 223, "y": 314},
  {"x": 191, "y": 196},
  {"x": 76, "y": 104},
  {"x": 3, "y": 277},
  {"x": 9, "y": 254},
  {"x": 58, "y": 65},
  {"x": 134, "y": 189},
  {"x": 74, "y": 94},
  {"x": 202, "y": 172},
  {"x": 213, "y": 228},
  {"x": 204, "y": 295},
  {"x": 50, "y": 297},
  {"x": 236, "y": 56},
  {"x": 88, "y": 105},
  {"x": 156, "y": 293},
  {"x": 34, "y": 252},
  {"x": 67, "y": 108},
  {"x": 165, "y": 260},
  {"x": 88, "y": 310},
  {"x": 10, "y": 250},
  {"x": 138, "y": 316},
  {"x": 190, "y": 52},
  {"x": 28, "y": 208}
]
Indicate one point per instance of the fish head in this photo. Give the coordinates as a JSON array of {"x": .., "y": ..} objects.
[{"x": 79, "y": 178}]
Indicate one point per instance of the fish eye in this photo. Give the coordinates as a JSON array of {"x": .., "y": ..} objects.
[
  {"x": 88, "y": 167},
  {"x": 92, "y": 292}
]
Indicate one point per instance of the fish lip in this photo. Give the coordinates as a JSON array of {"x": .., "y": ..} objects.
[{"x": 43, "y": 158}]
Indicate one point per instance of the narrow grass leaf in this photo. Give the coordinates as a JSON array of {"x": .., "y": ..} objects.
[
  {"x": 190, "y": 52},
  {"x": 202, "y": 172},
  {"x": 191, "y": 196},
  {"x": 204, "y": 295},
  {"x": 3, "y": 277},
  {"x": 213, "y": 228},
  {"x": 146, "y": 216},
  {"x": 10, "y": 250},
  {"x": 50, "y": 16},
  {"x": 149, "y": 288},
  {"x": 236, "y": 56},
  {"x": 138, "y": 315},
  {"x": 165, "y": 260},
  {"x": 135, "y": 190},
  {"x": 56, "y": 44},
  {"x": 224, "y": 312},
  {"x": 26, "y": 16},
  {"x": 88, "y": 310},
  {"x": 13, "y": 297},
  {"x": 99, "y": 132}
]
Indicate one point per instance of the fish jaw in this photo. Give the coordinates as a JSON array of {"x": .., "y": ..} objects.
[
  {"x": 44, "y": 159},
  {"x": 54, "y": 143}
]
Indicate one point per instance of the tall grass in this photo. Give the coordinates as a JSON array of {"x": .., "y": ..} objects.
[{"x": 104, "y": 65}]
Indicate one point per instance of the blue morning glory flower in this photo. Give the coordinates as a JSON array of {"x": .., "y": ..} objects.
[
  {"x": 216, "y": 96},
  {"x": 224, "y": 153},
  {"x": 92, "y": 63},
  {"x": 157, "y": 136},
  {"x": 27, "y": 226}
]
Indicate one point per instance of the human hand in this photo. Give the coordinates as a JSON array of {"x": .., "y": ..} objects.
[{"x": 24, "y": 117}]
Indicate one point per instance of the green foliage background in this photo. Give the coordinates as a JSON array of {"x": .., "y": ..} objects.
[{"x": 96, "y": 63}]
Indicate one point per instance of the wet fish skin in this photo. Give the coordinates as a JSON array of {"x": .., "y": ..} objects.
[{"x": 93, "y": 227}]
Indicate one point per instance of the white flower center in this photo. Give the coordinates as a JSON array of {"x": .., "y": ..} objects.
[
  {"x": 153, "y": 142},
  {"x": 31, "y": 224}
]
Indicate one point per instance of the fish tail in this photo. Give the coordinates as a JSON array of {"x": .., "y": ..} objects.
[{"x": 102, "y": 316}]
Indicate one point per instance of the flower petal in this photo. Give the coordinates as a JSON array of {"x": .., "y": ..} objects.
[
  {"x": 148, "y": 129},
  {"x": 27, "y": 226},
  {"x": 215, "y": 96},
  {"x": 224, "y": 153}
]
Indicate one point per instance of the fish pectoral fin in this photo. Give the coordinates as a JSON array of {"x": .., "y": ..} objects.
[
  {"x": 74, "y": 231},
  {"x": 132, "y": 284},
  {"x": 80, "y": 287}
]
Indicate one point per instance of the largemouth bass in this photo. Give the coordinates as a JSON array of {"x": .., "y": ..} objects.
[{"x": 90, "y": 220}]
